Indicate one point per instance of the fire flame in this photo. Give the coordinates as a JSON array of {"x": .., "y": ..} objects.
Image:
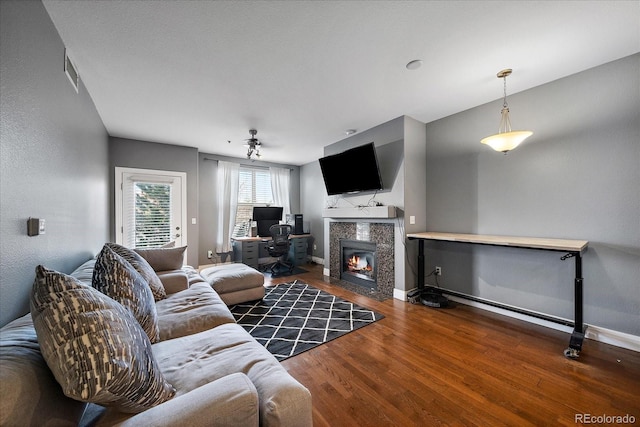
[{"x": 357, "y": 263}]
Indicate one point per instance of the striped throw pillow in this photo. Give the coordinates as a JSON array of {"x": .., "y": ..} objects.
[
  {"x": 95, "y": 348},
  {"x": 116, "y": 278}
]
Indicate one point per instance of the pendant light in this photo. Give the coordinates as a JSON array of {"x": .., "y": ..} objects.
[{"x": 506, "y": 139}]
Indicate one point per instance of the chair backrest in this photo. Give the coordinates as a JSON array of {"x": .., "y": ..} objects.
[{"x": 280, "y": 234}]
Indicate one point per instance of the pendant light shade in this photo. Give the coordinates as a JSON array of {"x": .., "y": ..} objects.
[{"x": 506, "y": 139}]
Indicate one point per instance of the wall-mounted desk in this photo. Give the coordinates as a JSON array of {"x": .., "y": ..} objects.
[
  {"x": 572, "y": 249},
  {"x": 249, "y": 250}
]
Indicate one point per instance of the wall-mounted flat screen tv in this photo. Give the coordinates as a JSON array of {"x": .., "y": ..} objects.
[{"x": 351, "y": 171}]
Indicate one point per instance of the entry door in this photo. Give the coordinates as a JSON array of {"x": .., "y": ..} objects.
[{"x": 150, "y": 207}]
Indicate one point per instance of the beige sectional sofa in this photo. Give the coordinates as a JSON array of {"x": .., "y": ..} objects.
[{"x": 220, "y": 374}]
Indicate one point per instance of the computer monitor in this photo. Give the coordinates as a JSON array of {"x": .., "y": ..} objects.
[{"x": 265, "y": 217}]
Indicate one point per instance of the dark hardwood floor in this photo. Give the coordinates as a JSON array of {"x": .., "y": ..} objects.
[{"x": 461, "y": 367}]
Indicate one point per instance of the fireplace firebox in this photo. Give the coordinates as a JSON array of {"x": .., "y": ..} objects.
[{"x": 358, "y": 262}]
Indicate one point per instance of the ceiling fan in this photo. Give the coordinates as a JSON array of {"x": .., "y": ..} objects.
[{"x": 253, "y": 144}]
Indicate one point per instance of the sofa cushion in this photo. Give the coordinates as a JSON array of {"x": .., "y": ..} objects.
[
  {"x": 31, "y": 396},
  {"x": 142, "y": 266},
  {"x": 230, "y": 401},
  {"x": 116, "y": 278},
  {"x": 174, "y": 280},
  {"x": 193, "y": 310},
  {"x": 191, "y": 361},
  {"x": 233, "y": 277},
  {"x": 162, "y": 259},
  {"x": 84, "y": 272},
  {"x": 95, "y": 348}
]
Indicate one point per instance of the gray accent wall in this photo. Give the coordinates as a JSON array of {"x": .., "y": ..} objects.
[
  {"x": 401, "y": 151},
  {"x": 577, "y": 177},
  {"x": 130, "y": 153},
  {"x": 53, "y": 158},
  {"x": 312, "y": 201}
]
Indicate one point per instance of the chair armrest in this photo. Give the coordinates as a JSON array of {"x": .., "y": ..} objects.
[
  {"x": 173, "y": 280},
  {"x": 229, "y": 401}
]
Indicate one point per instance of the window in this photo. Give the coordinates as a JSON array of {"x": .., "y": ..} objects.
[
  {"x": 151, "y": 215},
  {"x": 254, "y": 190}
]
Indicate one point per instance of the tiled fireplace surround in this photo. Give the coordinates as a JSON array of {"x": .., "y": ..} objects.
[{"x": 382, "y": 234}]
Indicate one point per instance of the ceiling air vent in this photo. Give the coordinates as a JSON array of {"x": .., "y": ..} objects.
[{"x": 70, "y": 70}]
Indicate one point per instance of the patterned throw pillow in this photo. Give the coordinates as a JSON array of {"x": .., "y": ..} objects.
[
  {"x": 116, "y": 278},
  {"x": 142, "y": 267},
  {"x": 163, "y": 259},
  {"x": 93, "y": 345}
]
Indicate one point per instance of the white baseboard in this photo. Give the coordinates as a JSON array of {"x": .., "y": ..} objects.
[
  {"x": 513, "y": 314},
  {"x": 596, "y": 333},
  {"x": 317, "y": 260},
  {"x": 609, "y": 336},
  {"x": 400, "y": 294}
]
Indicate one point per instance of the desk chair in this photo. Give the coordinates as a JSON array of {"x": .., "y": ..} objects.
[{"x": 278, "y": 247}]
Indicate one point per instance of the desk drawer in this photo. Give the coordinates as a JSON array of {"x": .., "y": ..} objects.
[
  {"x": 250, "y": 249},
  {"x": 299, "y": 244}
]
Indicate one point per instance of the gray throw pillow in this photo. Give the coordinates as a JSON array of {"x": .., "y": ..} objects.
[
  {"x": 163, "y": 259},
  {"x": 142, "y": 266},
  {"x": 93, "y": 345},
  {"x": 116, "y": 278}
]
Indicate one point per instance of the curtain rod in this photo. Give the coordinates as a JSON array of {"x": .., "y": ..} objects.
[{"x": 258, "y": 166}]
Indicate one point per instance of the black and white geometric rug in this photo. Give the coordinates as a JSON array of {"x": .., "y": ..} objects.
[{"x": 295, "y": 317}]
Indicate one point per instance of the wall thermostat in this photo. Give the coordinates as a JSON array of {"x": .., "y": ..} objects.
[{"x": 35, "y": 226}]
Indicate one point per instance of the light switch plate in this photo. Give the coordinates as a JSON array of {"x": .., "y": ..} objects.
[{"x": 35, "y": 226}]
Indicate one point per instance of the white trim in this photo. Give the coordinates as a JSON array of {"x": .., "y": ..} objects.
[
  {"x": 609, "y": 336},
  {"x": 400, "y": 294},
  {"x": 361, "y": 212},
  {"x": 120, "y": 171},
  {"x": 512, "y": 314},
  {"x": 317, "y": 260},
  {"x": 596, "y": 333}
]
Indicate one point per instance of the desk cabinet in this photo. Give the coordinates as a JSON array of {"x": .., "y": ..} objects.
[
  {"x": 247, "y": 252},
  {"x": 298, "y": 250},
  {"x": 252, "y": 250}
]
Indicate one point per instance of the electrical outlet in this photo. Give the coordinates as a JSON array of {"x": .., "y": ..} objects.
[
  {"x": 209, "y": 254},
  {"x": 438, "y": 270}
]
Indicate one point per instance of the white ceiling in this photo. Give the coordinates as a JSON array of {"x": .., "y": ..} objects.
[{"x": 200, "y": 73}]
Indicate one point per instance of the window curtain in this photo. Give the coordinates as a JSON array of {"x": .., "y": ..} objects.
[
  {"x": 280, "y": 189},
  {"x": 227, "y": 202}
]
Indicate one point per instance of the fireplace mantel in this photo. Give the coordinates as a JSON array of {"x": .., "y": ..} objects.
[{"x": 360, "y": 212}]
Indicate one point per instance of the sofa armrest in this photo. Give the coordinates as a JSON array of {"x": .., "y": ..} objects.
[
  {"x": 229, "y": 401},
  {"x": 173, "y": 280}
]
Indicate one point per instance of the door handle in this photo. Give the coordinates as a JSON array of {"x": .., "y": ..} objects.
[{"x": 177, "y": 235}]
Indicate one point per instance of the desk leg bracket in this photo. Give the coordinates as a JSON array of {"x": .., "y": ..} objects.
[{"x": 577, "y": 337}]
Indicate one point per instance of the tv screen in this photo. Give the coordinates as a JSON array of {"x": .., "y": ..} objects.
[{"x": 351, "y": 171}]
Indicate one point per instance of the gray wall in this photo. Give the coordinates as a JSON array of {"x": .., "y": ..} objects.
[
  {"x": 577, "y": 177},
  {"x": 401, "y": 151},
  {"x": 415, "y": 196},
  {"x": 312, "y": 201},
  {"x": 131, "y": 153},
  {"x": 208, "y": 169},
  {"x": 53, "y": 158},
  {"x": 388, "y": 138}
]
